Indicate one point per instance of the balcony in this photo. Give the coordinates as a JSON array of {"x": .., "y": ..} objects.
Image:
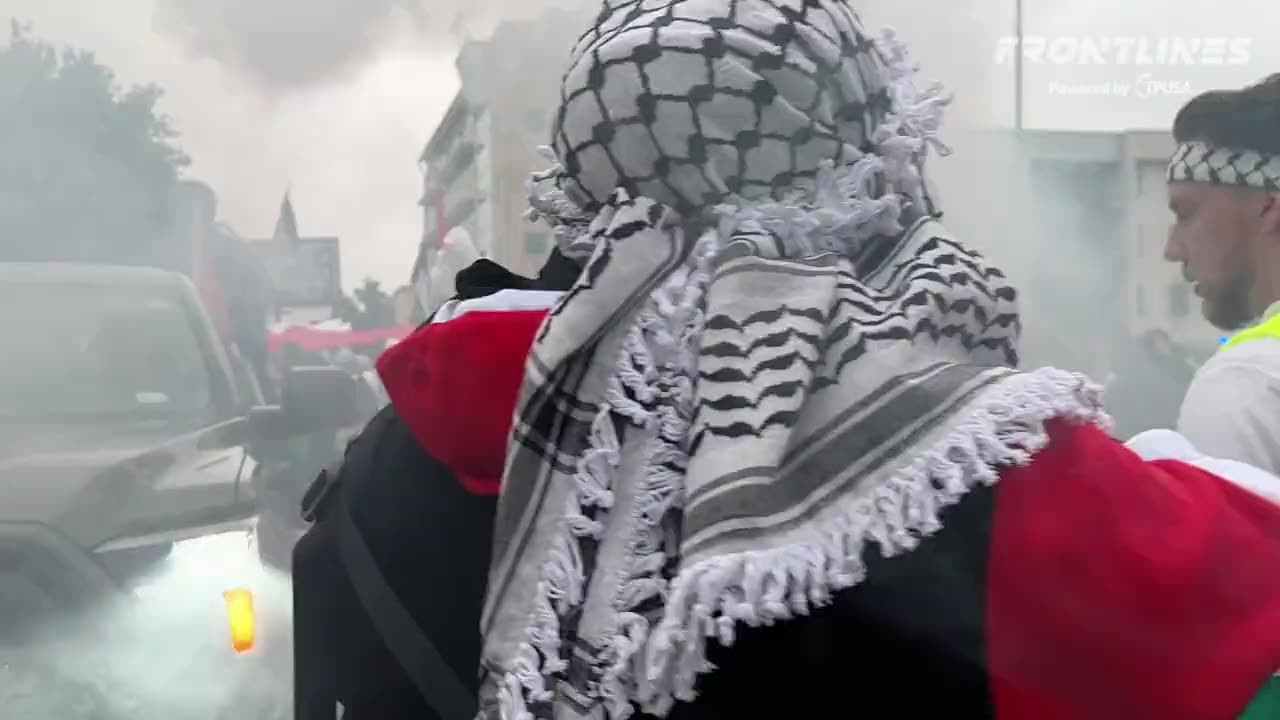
[
  {"x": 458, "y": 161},
  {"x": 462, "y": 211}
]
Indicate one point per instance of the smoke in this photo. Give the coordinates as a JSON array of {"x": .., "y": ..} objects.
[
  {"x": 164, "y": 652},
  {"x": 284, "y": 45}
]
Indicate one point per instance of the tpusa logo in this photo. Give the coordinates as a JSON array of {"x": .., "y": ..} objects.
[
  {"x": 1142, "y": 87},
  {"x": 1121, "y": 51}
]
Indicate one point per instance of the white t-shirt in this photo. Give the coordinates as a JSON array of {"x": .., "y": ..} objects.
[{"x": 1232, "y": 408}]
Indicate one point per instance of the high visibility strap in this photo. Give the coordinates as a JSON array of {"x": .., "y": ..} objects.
[{"x": 1270, "y": 328}]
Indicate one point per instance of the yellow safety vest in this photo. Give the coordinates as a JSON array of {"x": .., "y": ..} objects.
[
  {"x": 1267, "y": 702},
  {"x": 1269, "y": 328}
]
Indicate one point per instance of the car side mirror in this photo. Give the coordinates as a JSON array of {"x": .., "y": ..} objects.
[
  {"x": 318, "y": 399},
  {"x": 312, "y": 400}
]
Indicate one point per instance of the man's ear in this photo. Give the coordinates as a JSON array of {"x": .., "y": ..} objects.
[{"x": 1271, "y": 213}]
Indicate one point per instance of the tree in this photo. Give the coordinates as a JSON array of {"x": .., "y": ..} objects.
[
  {"x": 370, "y": 309},
  {"x": 89, "y": 170}
]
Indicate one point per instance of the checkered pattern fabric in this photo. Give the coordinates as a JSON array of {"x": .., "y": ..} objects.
[
  {"x": 689, "y": 101},
  {"x": 762, "y": 271},
  {"x": 1204, "y": 163}
]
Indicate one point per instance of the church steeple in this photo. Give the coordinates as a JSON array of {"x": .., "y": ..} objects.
[{"x": 287, "y": 224}]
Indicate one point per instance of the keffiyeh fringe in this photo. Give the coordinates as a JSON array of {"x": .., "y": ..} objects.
[
  {"x": 1004, "y": 429},
  {"x": 652, "y": 386}
]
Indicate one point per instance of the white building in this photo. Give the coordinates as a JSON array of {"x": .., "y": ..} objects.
[
  {"x": 482, "y": 152},
  {"x": 452, "y": 187},
  {"x": 1122, "y": 199},
  {"x": 1079, "y": 221}
]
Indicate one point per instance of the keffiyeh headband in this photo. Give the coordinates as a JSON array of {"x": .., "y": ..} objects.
[{"x": 1204, "y": 163}]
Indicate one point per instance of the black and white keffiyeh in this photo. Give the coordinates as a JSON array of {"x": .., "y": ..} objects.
[
  {"x": 775, "y": 354},
  {"x": 1204, "y": 163}
]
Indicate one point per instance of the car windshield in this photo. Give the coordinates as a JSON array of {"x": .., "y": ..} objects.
[{"x": 98, "y": 350}]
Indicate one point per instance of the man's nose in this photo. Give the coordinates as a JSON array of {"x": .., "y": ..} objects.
[{"x": 1172, "y": 247}]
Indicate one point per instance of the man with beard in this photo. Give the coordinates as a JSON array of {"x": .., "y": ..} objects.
[{"x": 1224, "y": 190}]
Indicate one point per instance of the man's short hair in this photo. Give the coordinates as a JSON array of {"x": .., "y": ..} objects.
[{"x": 1248, "y": 118}]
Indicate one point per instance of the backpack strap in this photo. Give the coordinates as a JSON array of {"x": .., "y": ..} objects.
[{"x": 413, "y": 650}]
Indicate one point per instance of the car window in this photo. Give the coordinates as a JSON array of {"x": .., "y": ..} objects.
[{"x": 100, "y": 351}]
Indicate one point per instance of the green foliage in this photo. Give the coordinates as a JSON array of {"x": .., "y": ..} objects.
[{"x": 89, "y": 170}]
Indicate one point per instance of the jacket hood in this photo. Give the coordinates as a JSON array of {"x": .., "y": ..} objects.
[{"x": 456, "y": 380}]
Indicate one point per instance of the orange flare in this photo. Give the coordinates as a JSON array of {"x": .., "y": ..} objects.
[{"x": 240, "y": 617}]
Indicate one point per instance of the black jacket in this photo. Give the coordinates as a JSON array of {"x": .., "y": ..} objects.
[
  {"x": 889, "y": 645},
  {"x": 430, "y": 537}
]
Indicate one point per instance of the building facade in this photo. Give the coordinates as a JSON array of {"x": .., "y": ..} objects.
[
  {"x": 455, "y": 190},
  {"x": 1078, "y": 220},
  {"x": 480, "y": 156}
]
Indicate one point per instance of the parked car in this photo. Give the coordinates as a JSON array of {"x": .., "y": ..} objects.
[{"x": 124, "y": 429}]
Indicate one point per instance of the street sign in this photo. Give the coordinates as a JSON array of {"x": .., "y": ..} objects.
[{"x": 304, "y": 272}]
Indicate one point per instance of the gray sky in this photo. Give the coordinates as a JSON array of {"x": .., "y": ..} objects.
[
  {"x": 335, "y": 98},
  {"x": 335, "y": 102}
]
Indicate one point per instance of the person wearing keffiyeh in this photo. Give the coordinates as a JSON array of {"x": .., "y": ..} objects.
[
  {"x": 1224, "y": 190},
  {"x": 771, "y": 455}
]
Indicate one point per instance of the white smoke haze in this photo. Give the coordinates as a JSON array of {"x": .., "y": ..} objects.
[
  {"x": 457, "y": 251},
  {"x": 336, "y": 99},
  {"x": 165, "y": 653},
  {"x": 282, "y": 45}
]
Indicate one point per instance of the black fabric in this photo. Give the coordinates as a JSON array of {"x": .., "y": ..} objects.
[
  {"x": 431, "y": 539},
  {"x": 414, "y": 651},
  {"x": 557, "y": 273},
  {"x": 893, "y": 646},
  {"x": 485, "y": 277},
  {"x": 890, "y": 646}
]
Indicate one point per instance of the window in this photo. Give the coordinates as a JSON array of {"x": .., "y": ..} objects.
[
  {"x": 1179, "y": 299},
  {"x": 536, "y": 243},
  {"x": 462, "y": 211},
  {"x": 458, "y": 162},
  {"x": 100, "y": 350}
]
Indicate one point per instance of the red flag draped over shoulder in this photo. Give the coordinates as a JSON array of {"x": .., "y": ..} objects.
[{"x": 1121, "y": 588}]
